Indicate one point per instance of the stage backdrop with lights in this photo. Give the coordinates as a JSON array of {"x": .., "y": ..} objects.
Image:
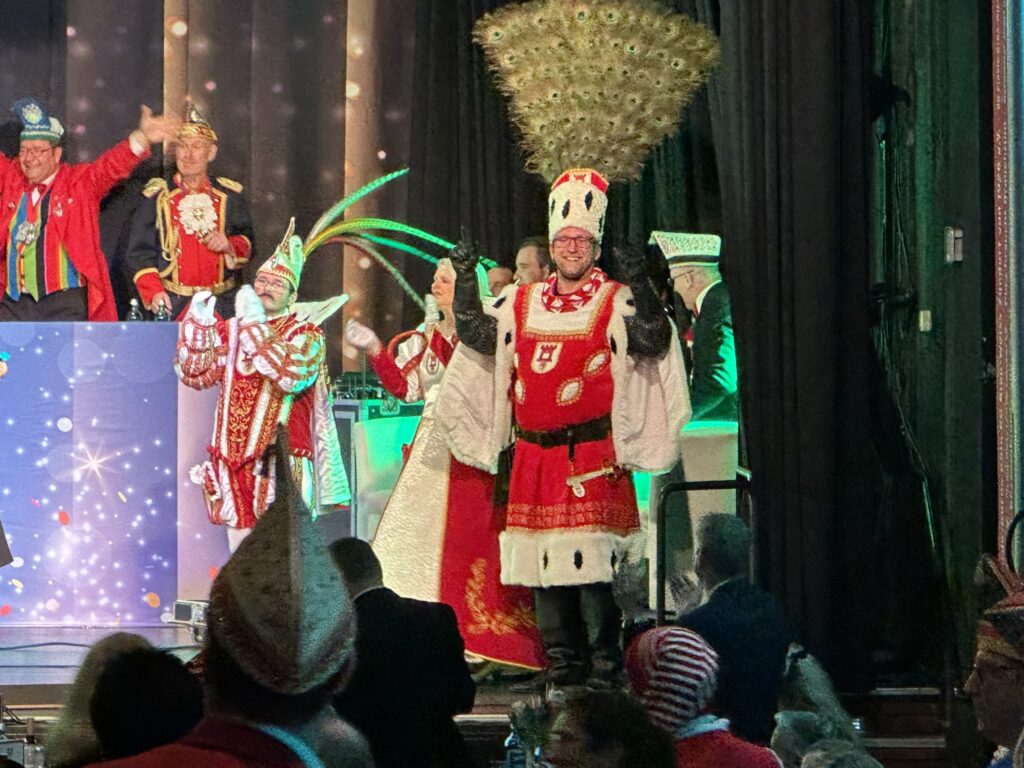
[
  {"x": 96, "y": 437},
  {"x": 88, "y": 418}
]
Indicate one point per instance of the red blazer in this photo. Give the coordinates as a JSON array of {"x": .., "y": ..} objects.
[
  {"x": 74, "y": 217},
  {"x": 215, "y": 743},
  {"x": 720, "y": 749}
]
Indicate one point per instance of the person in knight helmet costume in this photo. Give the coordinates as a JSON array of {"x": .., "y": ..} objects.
[{"x": 269, "y": 363}]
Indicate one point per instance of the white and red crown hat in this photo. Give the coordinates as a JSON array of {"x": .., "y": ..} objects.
[
  {"x": 578, "y": 198},
  {"x": 288, "y": 258}
]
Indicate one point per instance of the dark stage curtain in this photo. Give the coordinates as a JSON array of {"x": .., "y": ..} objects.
[
  {"x": 467, "y": 172},
  {"x": 791, "y": 133}
]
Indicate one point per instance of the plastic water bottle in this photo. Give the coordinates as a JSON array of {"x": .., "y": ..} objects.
[
  {"x": 431, "y": 314},
  {"x": 515, "y": 751},
  {"x": 161, "y": 314},
  {"x": 35, "y": 753},
  {"x": 134, "y": 313}
]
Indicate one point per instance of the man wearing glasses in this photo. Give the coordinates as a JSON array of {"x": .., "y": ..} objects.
[
  {"x": 269, "y": 363},
  {"x": 191, "y": 234},
  {"x": 51, "y": 264},
  {"x": 588, "y": 371}
]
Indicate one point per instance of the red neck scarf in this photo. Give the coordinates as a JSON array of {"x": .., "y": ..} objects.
[{"x": 570, "y": 302}]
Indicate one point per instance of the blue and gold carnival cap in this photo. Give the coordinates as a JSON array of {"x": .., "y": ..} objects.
[{"x": 36, "y": 121}]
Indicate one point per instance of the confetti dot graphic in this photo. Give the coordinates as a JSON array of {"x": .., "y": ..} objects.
[
  {"x": 152, "y": 599},
  {"x": 16, "y": 583},
  {"x": 214, "y": 570},
  {"x": 5, "y": 610},
  {"x": 64, "y": 424},
  {"x": 63, "y": 517}
]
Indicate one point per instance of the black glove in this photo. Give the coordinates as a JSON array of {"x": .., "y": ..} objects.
[
  {"x": 477, "y": 330},
  {"x": 648, "y": 332},
  {"x": 464, "y": 258}
]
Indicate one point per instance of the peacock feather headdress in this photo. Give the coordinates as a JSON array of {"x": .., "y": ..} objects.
[
  {"x": 596, "y": 84},
  {"x": 367, "y": 234}
]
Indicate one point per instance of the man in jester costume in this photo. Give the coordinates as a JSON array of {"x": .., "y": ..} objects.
[
  {"x": 583, "y": 373},
  {"x": 191, "y": 234},
  {"x": 269, "y": 363}
]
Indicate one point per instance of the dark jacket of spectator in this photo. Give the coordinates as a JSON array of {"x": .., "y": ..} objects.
[
  {"x": 748, "y": 630},
  {"x": 410, "y": 680}
]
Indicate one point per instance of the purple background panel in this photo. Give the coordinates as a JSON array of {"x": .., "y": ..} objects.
[{"x": 88, "y": 467}]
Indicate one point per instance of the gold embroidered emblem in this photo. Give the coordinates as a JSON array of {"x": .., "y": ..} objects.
[{"x": 518, "y": 619}]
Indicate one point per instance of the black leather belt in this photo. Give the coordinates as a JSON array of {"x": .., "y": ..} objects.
[{"x": 587, "y": 432}]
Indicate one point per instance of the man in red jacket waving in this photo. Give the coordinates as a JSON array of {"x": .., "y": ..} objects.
[{"x": 51, "y": 265}]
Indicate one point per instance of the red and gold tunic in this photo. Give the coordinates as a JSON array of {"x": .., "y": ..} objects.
[
  {"x": 262, "y": 368},
  {"x": 562, "y": 378},
  {"x": 166, "y": 246}
]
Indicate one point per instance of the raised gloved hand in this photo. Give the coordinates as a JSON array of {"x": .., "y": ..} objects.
[
  {"x": 464, "y": 258},
  {"x": 201, "y": 308},
  {"x": 248, "y": 307},
  {"x": 649, "y": 331},
  {"x": 362, "y": 337}
]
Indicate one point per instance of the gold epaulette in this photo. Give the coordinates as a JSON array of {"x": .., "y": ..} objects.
[
  {"x": 231, "y": 184},
  {"x": 154, "y": 187}
]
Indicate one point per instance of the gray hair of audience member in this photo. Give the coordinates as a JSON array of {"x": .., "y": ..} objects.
[
  {"x": 796, "y": 732},
  {"x": 723, "y": 544},
  {"x": 72, "y": 740},
  {"x": 835, "y": 753},
  {"x": 807, "y": 686}
]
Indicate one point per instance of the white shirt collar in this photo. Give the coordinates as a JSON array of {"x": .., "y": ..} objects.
[{"x": 699, "y": 302}]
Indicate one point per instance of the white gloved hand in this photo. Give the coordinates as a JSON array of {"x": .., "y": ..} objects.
[
  {"x": 361, "y": 337},
  {"x": 201, "y": 308},
  {"x": 248, "y": 307}
]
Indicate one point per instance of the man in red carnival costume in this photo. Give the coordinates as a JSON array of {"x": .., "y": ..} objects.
[
  {"x": 588, "y": 372},
  {"x": 269, "y": 363},
  {"x": 51, "y": 265}
]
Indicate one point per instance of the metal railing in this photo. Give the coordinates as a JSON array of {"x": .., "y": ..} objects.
[{"x": 741, "y": 485}]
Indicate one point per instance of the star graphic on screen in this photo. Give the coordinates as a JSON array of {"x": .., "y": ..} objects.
[{"x": 89, "y": 463}]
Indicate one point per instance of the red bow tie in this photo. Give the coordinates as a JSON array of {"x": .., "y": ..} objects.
[{"x": 40, "y": 188}]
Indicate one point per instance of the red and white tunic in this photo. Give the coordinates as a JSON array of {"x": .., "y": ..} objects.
[
  {"x": 553, "y": 347},
  {"x": 268, "y": 372},
  {"x": 562, "y": 377}
]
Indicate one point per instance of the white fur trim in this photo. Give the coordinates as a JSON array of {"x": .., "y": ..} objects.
[
  {"x": 651, "y": 404},
  {"x": 523, "y": 556}
]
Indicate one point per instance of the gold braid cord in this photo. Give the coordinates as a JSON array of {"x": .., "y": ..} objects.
[{"x": 595, "y": 84}]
